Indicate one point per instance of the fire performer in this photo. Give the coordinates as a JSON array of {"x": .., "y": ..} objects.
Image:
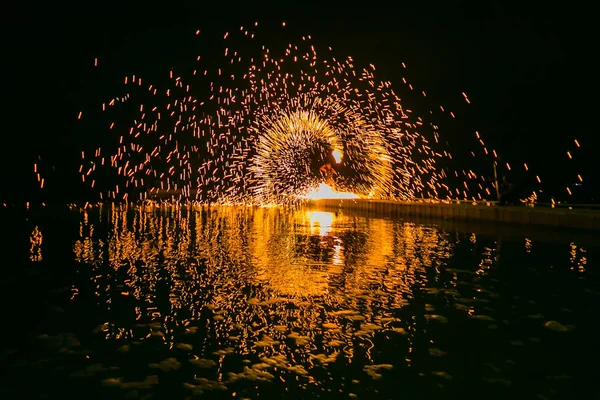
[{"x": 328, "y": 173}]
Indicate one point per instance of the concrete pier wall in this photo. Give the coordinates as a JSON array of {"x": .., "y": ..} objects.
[{"x": 549, "y": 217}]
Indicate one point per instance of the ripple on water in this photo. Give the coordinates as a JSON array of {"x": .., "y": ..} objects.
[{"x": 255, "y": 302}]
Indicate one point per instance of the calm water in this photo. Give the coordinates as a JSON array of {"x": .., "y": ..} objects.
[{"x": 170, "y": 303}]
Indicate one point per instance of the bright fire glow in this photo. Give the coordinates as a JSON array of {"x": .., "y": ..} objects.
[
  {"x": 320, "y": 221},
  {"x": 337, "y": 155},
  {"x": 324, "y": 191}
]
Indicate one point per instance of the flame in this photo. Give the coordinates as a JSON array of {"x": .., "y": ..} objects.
[
  {"x": 337, "y": 155},
  {"x": 324, "y": 191}
]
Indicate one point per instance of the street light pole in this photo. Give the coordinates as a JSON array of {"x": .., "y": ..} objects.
[{"x": 496, "y": 181}]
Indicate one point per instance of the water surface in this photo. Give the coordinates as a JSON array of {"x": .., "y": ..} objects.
[{"x": 239, "y": 302}]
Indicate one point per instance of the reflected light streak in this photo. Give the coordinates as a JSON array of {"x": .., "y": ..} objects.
[
  {"x": 320, "y": 221},
  {"x": 35, "y": 250}
]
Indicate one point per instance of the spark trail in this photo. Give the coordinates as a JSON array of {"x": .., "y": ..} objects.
[{"x": 265, "y": 123}]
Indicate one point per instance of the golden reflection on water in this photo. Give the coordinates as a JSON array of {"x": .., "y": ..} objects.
[
  {"x": 294, "y": 288},
  {"x": 35, "y": 248},
  {"x": 577, "y": 257},
  {"x": 320, "y": 221}
]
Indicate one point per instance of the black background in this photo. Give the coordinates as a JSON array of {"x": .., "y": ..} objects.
[{"x": 527, "y": 69}]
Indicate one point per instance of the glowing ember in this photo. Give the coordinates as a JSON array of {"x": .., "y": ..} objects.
[
  {"x": 261, "y": 131},
  {"x": 266, "y": 122},
  {"x": 324, "y": 191}
]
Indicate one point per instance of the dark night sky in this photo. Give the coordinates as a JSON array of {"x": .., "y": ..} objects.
[{"x": 526, "y": 68}]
